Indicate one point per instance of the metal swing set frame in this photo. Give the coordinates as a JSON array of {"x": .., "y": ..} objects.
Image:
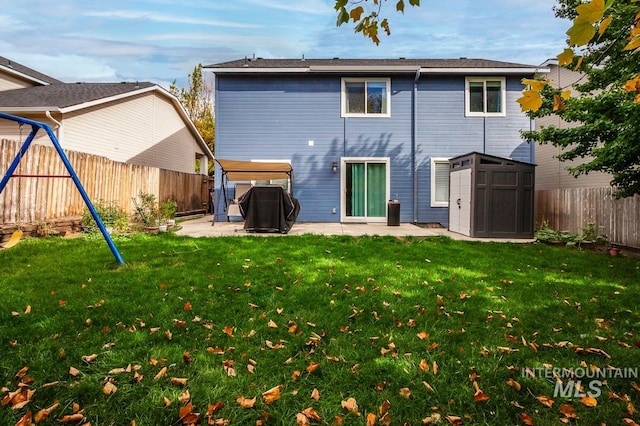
[{"x": 35, "y": 126}]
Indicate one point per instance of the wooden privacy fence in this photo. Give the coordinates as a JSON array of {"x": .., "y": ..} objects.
[
  {"x": 572, "y": 209},
  {"x": 29, "y": 200}
]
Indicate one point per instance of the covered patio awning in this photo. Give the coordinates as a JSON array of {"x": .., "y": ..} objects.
[{"x": 236, "y": 170}]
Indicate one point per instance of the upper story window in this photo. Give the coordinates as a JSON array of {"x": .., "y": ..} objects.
[
  {"x": 485, "y": 96},
  {"x": 362, "y": 97}
]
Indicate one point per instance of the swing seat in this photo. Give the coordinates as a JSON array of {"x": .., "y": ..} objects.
[{"x": 15, "y": 239}]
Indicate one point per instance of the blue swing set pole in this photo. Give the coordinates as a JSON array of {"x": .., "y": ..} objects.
[{"x": 35, "y": 125}]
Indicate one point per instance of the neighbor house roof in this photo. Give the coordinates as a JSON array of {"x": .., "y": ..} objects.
[
  {"x": 68, "y": 97},
  {"x": 401, "y": 65},
  {"x": 26, "y": 73}
]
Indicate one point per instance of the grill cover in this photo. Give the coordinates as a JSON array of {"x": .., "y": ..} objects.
[{"x": 268, "y": 209}]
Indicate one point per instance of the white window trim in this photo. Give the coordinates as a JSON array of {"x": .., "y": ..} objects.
[
  {"x": 253, "y": 182},
  {"x": 503, "y": 97},
  {"x": 438, "y": 160},
  {"x": 343, "y": 179},
  {"x": 343, "y": 97}
]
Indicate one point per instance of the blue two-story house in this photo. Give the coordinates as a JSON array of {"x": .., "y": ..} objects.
[{"x": 360, "y": 132}]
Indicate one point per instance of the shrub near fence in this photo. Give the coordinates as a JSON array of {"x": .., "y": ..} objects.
[
  {"x": 573, "y": 208},
  {"x": 29, "y": 200}
]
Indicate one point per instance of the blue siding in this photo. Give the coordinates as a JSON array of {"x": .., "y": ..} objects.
[{"x": 273, "y": 117}]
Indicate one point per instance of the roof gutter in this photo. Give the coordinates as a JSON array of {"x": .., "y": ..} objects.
[
  {"x": 379, "y": 69},
  {"x": 11, "y": 70}
]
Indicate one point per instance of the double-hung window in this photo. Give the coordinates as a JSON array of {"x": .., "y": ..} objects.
[
  {"x": 364, "y": 97},
  {"x": 439, "y": 182},
  {"x": 485, "y": 96}
]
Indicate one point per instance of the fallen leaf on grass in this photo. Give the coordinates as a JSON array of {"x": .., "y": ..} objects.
[
  {"x": 184, "y": 397},
  {"x": 405, "y": 393},
  {"x": 312, "y": 414},
  {"x": 589, "y": 401},
  {"x": 161, "y": 374},
  {"x": 315, "y": 394},
  {"x": 179, "y": 381},
  {"x": 23, "y": 372},
  {"x": 432, "y": 419},
  {"x": 351, "y": 405},
  {"x": 72, "y": 418},
  {"x": 526, "y": 419},
  {"x": 514, "y": 384},
  {"x": 89, "y": 358},
  {"x": 313, "y": 366},
  {"x": 371, "y": 419},
  {"x": 302, "y": 420},
  {"x": 545, "y": 400},
  {"x": 428, "y": 387},
  {"x": 228, "y": 330},
  {"x": 424, "y": 365},
  {"x": 479, "y": 395},
  {"x": 187, "y": 416},
  {"x": 109, "y": 388},
  {"x": 568, "y": 411},
  {"x": 272, "y": 394},
  {"x": 246, "y": 402},
  {"x": 25, "y": 420}
]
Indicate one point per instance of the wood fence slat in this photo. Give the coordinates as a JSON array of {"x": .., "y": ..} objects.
[
  {"x": 572, "y": 209},
  {"x": 102, "y": 179}
]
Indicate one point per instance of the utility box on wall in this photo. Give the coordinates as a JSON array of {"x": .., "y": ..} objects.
[{"x": 491, "y": 197}]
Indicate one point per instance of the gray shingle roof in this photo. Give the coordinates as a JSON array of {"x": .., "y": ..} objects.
[
  {"x": 383, "y": 63},
  {"x": 66, "y": 94},
  {"x": 8, "y": 63}
]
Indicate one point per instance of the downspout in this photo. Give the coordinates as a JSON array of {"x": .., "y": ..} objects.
[
  {"x": 414, "y": 137},
  {"x": 57, "y": 123}
]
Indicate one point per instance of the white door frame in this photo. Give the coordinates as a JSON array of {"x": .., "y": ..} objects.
[{"x": 343, "y": 188}]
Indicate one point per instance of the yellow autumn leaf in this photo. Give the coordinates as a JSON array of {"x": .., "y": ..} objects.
[
  {"x": 530, "y": 101},
  {"x": 604, "y": 25},
  {"x": 566, "y": 57},
  {"x": 581, "y": 33},
  {"x": 633, "y": 44},
  {"x": 535, "y": 84},
  {"x": 557, "y": 103},
  {"x": 356, "y": 13},
  {"x": 590, "y": 13},
  {"x": 566, "y": 94},
  {"x": 632, "y": 85},
  {"x": 424, "y": 365},
  {"x": 313, "y": 366}
]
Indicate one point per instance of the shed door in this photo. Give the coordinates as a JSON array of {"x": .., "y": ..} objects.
[{"x": 460, "y": 202}]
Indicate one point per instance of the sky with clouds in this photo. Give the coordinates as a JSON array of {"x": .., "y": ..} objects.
[{"x": 162, "y": 40}]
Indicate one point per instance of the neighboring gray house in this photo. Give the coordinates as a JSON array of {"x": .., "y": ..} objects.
[
  {"x": 137, "y": 122},
  {"x": 361, "y": 132}
]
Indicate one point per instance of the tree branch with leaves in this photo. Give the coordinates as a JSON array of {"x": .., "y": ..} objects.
[
  {"x": 197, "y": 101},
  {"x": 367, "y": 22}
]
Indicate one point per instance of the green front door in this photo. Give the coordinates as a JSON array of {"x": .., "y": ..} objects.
[{"x": 365, "y": 190}]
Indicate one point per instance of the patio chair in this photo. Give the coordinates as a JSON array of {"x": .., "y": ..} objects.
[{"x": 233, "y": 209}]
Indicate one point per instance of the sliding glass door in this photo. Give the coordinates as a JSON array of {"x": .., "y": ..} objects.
[{"x": 365, "y": 184}]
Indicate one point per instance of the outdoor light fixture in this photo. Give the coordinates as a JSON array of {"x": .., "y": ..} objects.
[{"x": 334, "y": 166}]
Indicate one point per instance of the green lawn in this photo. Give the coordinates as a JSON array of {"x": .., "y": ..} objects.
[{"x": 407, "y": 329}]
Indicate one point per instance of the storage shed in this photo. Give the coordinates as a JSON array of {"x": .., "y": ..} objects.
[{"x": 491, "y": 196}]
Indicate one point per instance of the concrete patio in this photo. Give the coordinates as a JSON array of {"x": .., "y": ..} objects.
[{"x": 202, "y": 227}]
